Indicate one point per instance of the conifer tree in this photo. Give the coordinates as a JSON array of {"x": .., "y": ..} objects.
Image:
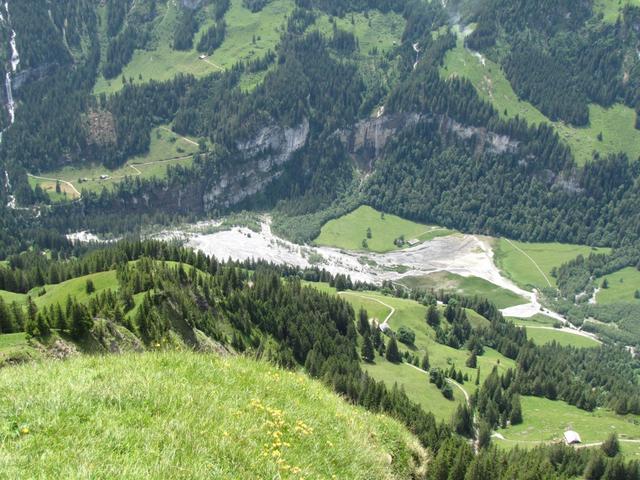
[
  {"x": 368, "y": 353},
  {"x": 393, "y": 354}
]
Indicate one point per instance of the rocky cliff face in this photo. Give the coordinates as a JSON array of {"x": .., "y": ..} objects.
[
  {"x": 262, "y": 160},
  {"x": 264, "y": 156},
  {"x": 366, "y": 139}
]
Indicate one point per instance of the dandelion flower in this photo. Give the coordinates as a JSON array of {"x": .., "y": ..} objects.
[{"x": 24, "y": 430}]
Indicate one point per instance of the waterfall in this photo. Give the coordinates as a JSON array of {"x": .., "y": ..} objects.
[{"x": 15, "y": 61}]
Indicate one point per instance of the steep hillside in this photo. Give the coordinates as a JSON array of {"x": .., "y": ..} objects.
[{"x": 185, "y": 415}]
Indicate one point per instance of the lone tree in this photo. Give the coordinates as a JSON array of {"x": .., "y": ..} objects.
[
  {"x": 368, "y": 354},
  {"x": 406, "y": 335},
  {"x": 472, "y": 361},
  {"x": 425, "y": 365},
  {"x": 393, "y": 354},
  {"x": 90, "y": 287},
  {"x": 605, "y": 284},
  {"x": 369, "y": 233},
  {"x": 611, "y": 446},
  {"x": 516, "y": 410}
]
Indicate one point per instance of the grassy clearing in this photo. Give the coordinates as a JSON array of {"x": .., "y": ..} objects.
[
  {"x": 186, "y": 415},
  {"x": 350, "y": 230},
  {"x": 381, "y": 31},
  {"x": 10, "y": 297},
  {"x": 617, "y": 124},
  {"x": 623, "y": 285},
  {"x": 164, "y": 63},
  {"x": 49, "y": 187},
  {"x": 417, "y": 387},
  {"x": 76, "y": 287},
  {"x": 611, "y": 9},
  {"x": 518, "y": 260},
  {"x": 538, "y": 320},
  {"x": 542, "y": 336},
  {"x": 546, "y": 420},
  {"x": 166, "y": 148},
  {"x": 468, "y": 286}
]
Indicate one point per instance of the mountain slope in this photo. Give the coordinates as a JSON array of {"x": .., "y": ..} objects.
[{"x": 185, "y": 415}]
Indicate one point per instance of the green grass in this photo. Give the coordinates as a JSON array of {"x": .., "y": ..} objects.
[
  {"x": 468, "y": 286},
  {"x": 417, "y": 387},
  {"x": 382, "y": 31},
  {"x": 164, "y": 63},
  {"x": 538, "y": 320},
  {"x": 546, "y": 420},
  {"x": 617, "y": 124},
  {"x": 610, "y": 9},
  {"x": 544, "y": 336},
  {"x": 76, "y": 287},
  {"x": 14, "y": 348},
  {"x": 622, "y": 286},
  {"x": 49, "y": 187},
  {"x": 522, "y": 270},
  {"x": 10, "y": 297},
  {"x": 350, "y": 230},
  {"x": 10, "y": 340},
  {"x": 187, "y": 415},
  {"x": 166, "y": 148}
]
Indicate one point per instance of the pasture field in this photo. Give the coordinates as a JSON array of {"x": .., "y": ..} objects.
[
  {"x": 10, "y": 297},
  {"x": 546, "y": 420},
  {"x": 76, "y": 287},
  {"x": 380, "y": 31},
  {"x": 228, "y": 410},
  {"x": 617, "y": 124},
  {"x": 610, "y": 9},
  {"x": 166, "y": 148},
  {"x": 163, "y": 62},
  {"x": 538, "y": 320},
  {"x": 530, "y": 264},
  {"x": 542, "y": 336},
  {"x": 468, "y": 286},
  {"x": 348, "y": 231},
  {"x": 417, "y": 387},
  {"x": 623, "y": 285}
]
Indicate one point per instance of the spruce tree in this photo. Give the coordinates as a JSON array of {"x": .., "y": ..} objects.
[
  {"x": 516, "y": 410},
  {"x": 393, "y": 354},
  {"x": 611, "y": 446},
  {"x": 363, "y": 321},
  {"x": 433, "y": 317},
  {"x": 368, "y": 353},
  {"x": 425, "y": 362}
]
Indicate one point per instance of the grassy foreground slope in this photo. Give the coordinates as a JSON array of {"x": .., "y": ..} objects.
[
  {"x": 186, "y": 415},
  {"x": 350, "y": 230}
]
